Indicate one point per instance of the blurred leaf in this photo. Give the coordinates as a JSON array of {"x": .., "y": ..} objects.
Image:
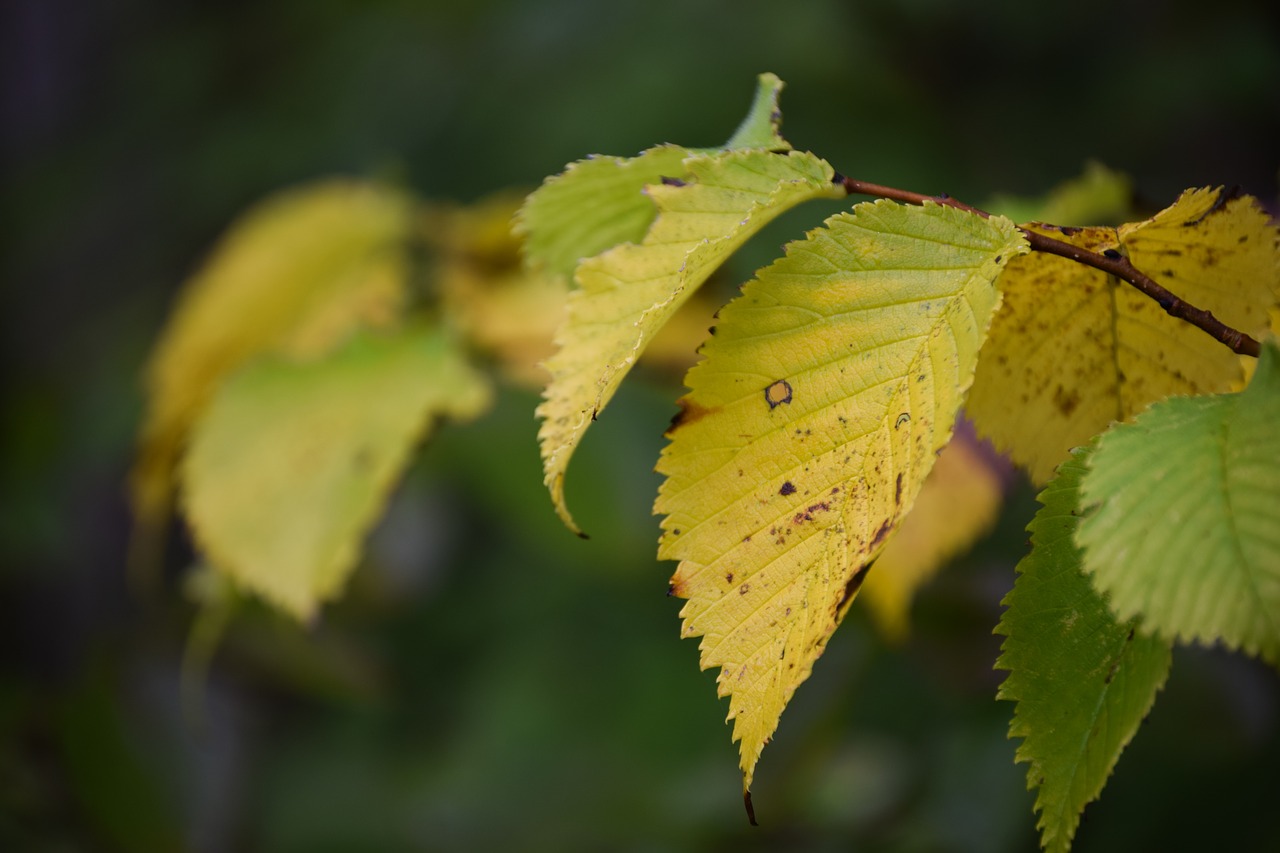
[
  {"x": 958, "y": 504},
  {"x": 504, "y": 307},
  {"x": 1082, "y": 681},
  {"x": 1183, "y": 516},
  {"x": 293, "y": 461},
  {"x": 816, "y": 413},
  {"x": 760, "y": 129},
  {"x": 1073, "y": 349},
  {"x": 295, "y": 275},
  {"x": 1097, "y": 197}
]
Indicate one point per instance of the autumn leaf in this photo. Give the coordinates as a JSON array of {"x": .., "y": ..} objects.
[
  {"x": 957, "y": 505},
  {"x": 822, "y": 399},
  {"x": 1082, "y": 681},
  {"x": 295, "y": 275},
  {"x": 293, "y": 460},
  {"x": 1182, "y": 519},
  {"x": 1073, "y": 349},
  {"x": 505, "y": 308},
  {"x": 628, "y": 293}
]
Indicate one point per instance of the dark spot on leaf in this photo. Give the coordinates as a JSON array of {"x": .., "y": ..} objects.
[
  {"x": 999, "y": 258},
  {"x": 897, "y": 492},
  {"x": 1066, "y": 401},
  {"x": 787, "y": 489},
  {"x": 778, "y": 393},
  {"x": 728, "y": 576},
  {"x": 1220, "y": 202},
  {"x": 672, "y": 182},
  {"x": 852, "y": 586},
  {"x": 882, "y": 533},
  {"x": 1069, "y": 229},
  {"x": 744, "y": 589},
  {"x": 902, "y": 419}
]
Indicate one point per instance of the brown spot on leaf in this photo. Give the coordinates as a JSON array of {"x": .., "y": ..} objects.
[
  {"x": 881, "y": 533},
  {"x": 744, "y": 589},
  {"x": 897, "y": 490},
  {"x": 728, "y": 576},
  {"x": 778, "y": 393},
  {"x": 1066, "y": 401},
  {"x": 787, "y": 489},
  {"x": 852, "y": 586},
  {"x": 689, "y": 412}
]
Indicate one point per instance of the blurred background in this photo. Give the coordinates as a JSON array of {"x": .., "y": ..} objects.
[{"x": 490, "y": 681}]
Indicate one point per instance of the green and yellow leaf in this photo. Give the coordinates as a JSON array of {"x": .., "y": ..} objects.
[
  {"x": 1183, "y": 516},
  {"x": 823, "y": 397},
  {"x": 1082, "y": 681},
  {"x": 295, "y": 275},
  {"x": 293, "y": 460},
  {"x": 957, "y": 505},
  {"x": 626, "y": 294},
  {"x": 1073, "y": 349}
]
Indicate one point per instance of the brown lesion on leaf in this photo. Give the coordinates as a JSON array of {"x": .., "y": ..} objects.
[
  {"x": 807, "y": 513},
  {"x": 787, "y": 489},
  {"x": 1066, "y": 401},
  {"x": 744, "y": 589},
  {"x": 852, "y": 586},
  {"x": 728, "y": 578},
  {"x": 897, "y": 489},
  {"x": 690, "y": 411},
  {"x": 903, "y": 418},
  {"x": 778, "y": 393},
  {"x": 883, "y": 531}
]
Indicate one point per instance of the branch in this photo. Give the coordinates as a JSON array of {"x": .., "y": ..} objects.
[{"x": 1111, "y": 262}]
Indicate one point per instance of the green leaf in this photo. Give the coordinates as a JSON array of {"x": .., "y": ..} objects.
[
  {"x": 292, "y": 462},
  {"x": 1184, "y": 516},
  {"x": 594, "y": 204},
  {"x": 630, "y": 291},
  {"x": 821, "y": 402},
  {"x": 760, "y": 128},
  {"x": 1099, "y": 196},
  {"x": 1082, "y": 681}
]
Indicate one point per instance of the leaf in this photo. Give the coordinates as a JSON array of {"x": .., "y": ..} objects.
[
  {"x": 504, "y": 307},
  {"x": 1099, "y": 196},
  {"x": 760, "y": 129},
  {"x": 1073, "y": 349},
  {"x": 600, "y": 202},
  {"x": 630, "y": 291},
  {"x": 1184, "y": 521},
  {"x": 292, "y": 462},
  {"x": 822, "y": 399},
  {"x": 957, "y": 505},
  {"x": 594, "y": 204},
  {"x": 1082, "y": 681},
  {"x": 296, "y": 274}
]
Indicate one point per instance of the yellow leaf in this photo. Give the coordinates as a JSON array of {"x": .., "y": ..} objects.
[
  {"x": 822, "y": 399},
  {"x": 292, "y": 461},
  {"x": 957, "y": 505},
  {"x": 626, "y": 294},
  {"x": 1073, "y": 349},
  {"x": 295, "y": 275},
  {"x": 505, "y": 307}
]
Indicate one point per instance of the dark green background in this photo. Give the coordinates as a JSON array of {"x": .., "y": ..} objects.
[{"x": 491, "y": 682}]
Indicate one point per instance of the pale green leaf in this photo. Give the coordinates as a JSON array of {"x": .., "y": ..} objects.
[
  {"x": 818, "y": 410},
  {"x": 1082, "y": 681},
  {"x": 760, "y": 129},
  {"x": 594, "y": 204},
  {"x": 626, "y": 294},
  {"x": 1183, "y": 525},
  {"x": 1099, "y": 196},
  {"x": 293, "y": 460}
]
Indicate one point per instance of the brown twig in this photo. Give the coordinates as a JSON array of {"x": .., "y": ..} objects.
[{"x": 1110, "y": 262}]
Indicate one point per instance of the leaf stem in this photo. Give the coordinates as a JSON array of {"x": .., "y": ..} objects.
[{"x": 1112, "y": 263}]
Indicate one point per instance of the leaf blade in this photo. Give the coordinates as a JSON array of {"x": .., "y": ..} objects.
[
  {"x": 292, "y": 462},
  {"x": 829, "y": 385},
  {"x": 1073, "y": 349},
  {"x": 1082, "y": 681},
  {"x": 628, "y": 293},
  {"x": 1183, "y": 524}
]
